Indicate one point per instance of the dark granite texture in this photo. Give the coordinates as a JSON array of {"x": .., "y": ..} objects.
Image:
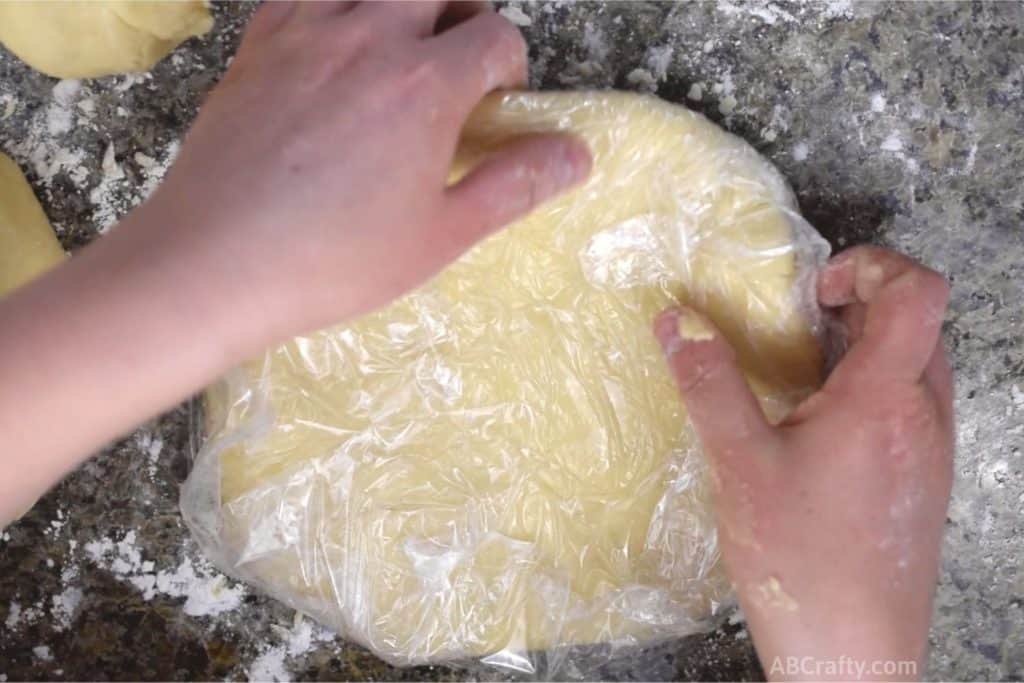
[{"x": 900, "y": 124}]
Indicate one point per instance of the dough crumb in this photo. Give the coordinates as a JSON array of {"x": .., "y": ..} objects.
[
  {"x": 696, "y": 92},
  {"x": 772, "y": 595},
  {"x": 515, "y": 15},
  {"x": 691, "y": 327},
  {"x": 893, "y": 143},
  {"x": 727, "y": 105},
  {"x": 642, "y": 78}
]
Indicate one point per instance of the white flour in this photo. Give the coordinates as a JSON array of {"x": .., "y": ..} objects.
[
  {"x": 115, "y": 195},
  {"x": 271, "y": 665},
  {"x": 42, "y": 652},
  {"x": 65, "y": 603},
  {"x": 152, "y": 446},
  {"x": 515, "y": 14},
  {"x": 50, "y": 151},
  {"x": 206, "y": 591}
]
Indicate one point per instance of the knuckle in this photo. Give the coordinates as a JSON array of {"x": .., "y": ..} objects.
[
  {"x": 418, "y": 74},
  {"x": 503, "y": 40},
  {"x": 427, "y": 73},
  {"x": 507, "y": 37},
  {"x": 402, "y": 83},
  {"x": 932, "y": 291},
  {"x": 353, "y": 34},
  {"x": 936, "y": 285}
]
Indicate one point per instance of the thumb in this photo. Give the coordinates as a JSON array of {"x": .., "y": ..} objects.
[
  {"x": 514, "y": 180},
  {"x": 725, "y": 414}
]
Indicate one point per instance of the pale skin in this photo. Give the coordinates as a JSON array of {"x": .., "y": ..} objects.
[{"x": 311, "y": 189}]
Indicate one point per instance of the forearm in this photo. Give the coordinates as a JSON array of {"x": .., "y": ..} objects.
[{"x": 125, "y": 329}]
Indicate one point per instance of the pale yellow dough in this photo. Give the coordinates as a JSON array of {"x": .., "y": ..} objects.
[
  {"x": 27, "y": 243},
  {"x": 499, "y": 462},
  {"x": 90, "y": 38}
]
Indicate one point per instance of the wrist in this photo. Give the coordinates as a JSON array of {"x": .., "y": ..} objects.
[
  {"x": 200, "y": 284},
  {"x": 842, "y": 643}
]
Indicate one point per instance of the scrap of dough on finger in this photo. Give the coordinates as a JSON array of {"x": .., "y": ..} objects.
[{"x": 92, "y": 38}]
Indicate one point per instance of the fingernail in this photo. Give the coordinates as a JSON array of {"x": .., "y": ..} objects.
[
  {"x": 575, "y": 164},
  {"x": 869, "y": 281},
  {"x": 833, "y": 281},
  {"x": 841, "y": 259}
]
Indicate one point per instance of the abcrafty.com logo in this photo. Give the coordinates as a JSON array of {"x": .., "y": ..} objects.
[{"x": 843, "y": 667}]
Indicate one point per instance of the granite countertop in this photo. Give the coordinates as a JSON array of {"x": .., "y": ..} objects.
[{"x": 900, "y": 124}]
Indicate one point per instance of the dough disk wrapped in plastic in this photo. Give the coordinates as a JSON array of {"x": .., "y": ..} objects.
[{"x": 498, "y": 464}]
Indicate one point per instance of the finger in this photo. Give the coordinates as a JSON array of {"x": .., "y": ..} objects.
[
  {"x": 938, "y": 377},
  {"x": 853, "y": 318},
  {"x": 856, "y": 275},
  {"x": 904, "y": 304},
  {"x": 318, "y": 9},
  {"x": 412, "y": 17},
  {"x": 513, "y": 180},
  {"x": 725, "y": 414},
  {"x": 268, "y": 18},
  {"x": 482, "y": 54}
]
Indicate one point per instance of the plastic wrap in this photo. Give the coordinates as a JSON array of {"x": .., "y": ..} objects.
[{"x": 497, "y": 466}]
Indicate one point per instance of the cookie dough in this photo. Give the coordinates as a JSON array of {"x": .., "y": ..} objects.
[
  {"x": 499, "y": 463},
  {"x": 90, "y": 38},
  {"x": 27, "y": 243}
]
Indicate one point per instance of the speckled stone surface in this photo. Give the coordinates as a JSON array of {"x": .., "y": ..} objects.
[{"x": 900, "y": 124}]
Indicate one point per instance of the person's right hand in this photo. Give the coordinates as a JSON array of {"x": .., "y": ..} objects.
[
  {"x": 312, "y": 187},
  {"x": 830, "y": 523}
]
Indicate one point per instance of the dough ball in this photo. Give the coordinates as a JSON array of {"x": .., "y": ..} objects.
[
  {"x": 27, "y": 243},
  {"x": 91, "y": 38},
  {"x": 499, "y": 463}
]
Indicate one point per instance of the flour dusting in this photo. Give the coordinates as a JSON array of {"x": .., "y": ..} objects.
[
  {"x": 152, "y": 445},
  {"x": 892, "y": 143},
  {"x": 65, "y": 604},
  {"x": 42, "y": 148},
  {"x": 51, "y": 149},
  {"x": 206, "y": 591},
  {"x": 42, "y": 652},
  {"x": 271, "y": 664},
  {"x": 516, "y": 15},
  {"x": 770, "y": 13},
  {"x": 115, "y": 195}
]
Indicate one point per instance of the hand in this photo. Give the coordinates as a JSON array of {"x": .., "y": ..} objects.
[
  {"x": 312, "y": 187},
  {"x": 830, "y": 523}
]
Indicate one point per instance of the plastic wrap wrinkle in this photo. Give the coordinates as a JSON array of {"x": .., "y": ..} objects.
[{"x": 498, "y": 465}]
